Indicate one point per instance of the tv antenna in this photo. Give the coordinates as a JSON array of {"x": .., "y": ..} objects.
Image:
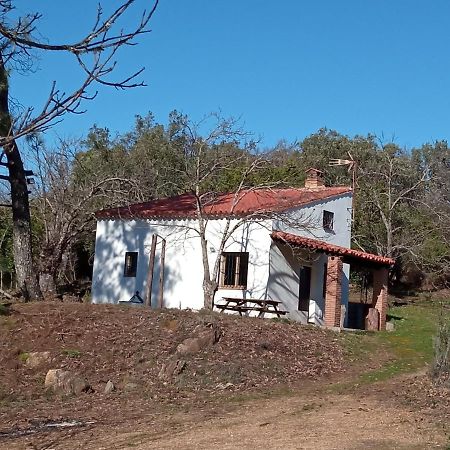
[{"x": 352, "y": 166}]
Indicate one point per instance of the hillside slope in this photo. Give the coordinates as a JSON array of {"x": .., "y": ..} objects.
[{"x": 130, "y": 345}]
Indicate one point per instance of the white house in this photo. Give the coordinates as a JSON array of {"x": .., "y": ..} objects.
[{"x": 287, "y": 245}]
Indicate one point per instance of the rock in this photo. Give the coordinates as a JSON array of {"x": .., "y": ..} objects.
[
  {"x": 222, "y": 386},
  {"x": 372, "y": 320},
  {"x": 390, "y": 326},
  {"x": 203, "y": 337},
  {"x": 36, "y": 359},
  {"x": 189, "y": 346},
  {"x": 171, "y": 368},
  {"x": 65, "y": 382},
  {"x": 110, "y": 387}
]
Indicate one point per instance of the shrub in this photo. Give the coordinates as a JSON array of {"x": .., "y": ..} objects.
[{"x": 440, "y": 366}]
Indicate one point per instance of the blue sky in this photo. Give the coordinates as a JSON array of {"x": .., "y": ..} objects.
[{"x": 287, "y": 68}]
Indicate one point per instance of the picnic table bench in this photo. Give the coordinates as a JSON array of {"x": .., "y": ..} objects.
[{"x": 245, "y": 305}]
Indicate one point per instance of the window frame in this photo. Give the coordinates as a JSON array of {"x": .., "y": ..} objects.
[
  {"x": 130, "y": 269},
  {"x": 328, "y": 220},
  {"x": 241, "y": 261}
]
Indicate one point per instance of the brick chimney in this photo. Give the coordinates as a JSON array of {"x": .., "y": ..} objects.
[{"x": 314, "y": 179}]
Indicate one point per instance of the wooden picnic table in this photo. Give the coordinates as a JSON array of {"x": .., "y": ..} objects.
[{"x": 245, "y": 305}]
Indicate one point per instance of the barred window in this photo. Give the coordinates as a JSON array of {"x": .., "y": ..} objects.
[{"x": 234, "y": 270}]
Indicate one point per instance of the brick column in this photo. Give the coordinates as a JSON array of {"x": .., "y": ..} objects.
[
  {"x": 333, "y": 292},
  {"x": 380, "y": 293}
]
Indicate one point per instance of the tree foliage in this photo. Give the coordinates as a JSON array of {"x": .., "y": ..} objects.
[{"x": 402, "y": 197}]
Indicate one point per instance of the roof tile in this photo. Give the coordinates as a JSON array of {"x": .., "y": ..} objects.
[
  {"x": 337, "y": 250},
  {"x": 246, "y": 202}
]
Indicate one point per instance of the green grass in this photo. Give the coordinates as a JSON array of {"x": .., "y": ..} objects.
[
  {"x": 407, "y": 349},
  {"x": 71, "y": 353},
  {"x": 23, "y": 356}
]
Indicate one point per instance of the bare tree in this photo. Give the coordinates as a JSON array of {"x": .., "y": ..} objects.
[
  {"x": 95, "y": 53},
  {"x": 67, "y": 193},
  {"x": 393, "y": 185},
  {"x": 224, "y": 156}
]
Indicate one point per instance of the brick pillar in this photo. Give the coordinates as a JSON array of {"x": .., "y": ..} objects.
[
  {"x": 333, "y": 292},
  {"x": 380, "y": 293}
]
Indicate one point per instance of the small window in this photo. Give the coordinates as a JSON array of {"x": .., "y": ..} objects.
[
  {"x": 233, "y": 270},
  {"x": 130, "y": 268},
  {"x": 328, "y": 219}
]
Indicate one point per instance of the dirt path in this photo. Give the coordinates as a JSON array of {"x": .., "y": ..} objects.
[
  {"x": 314, "y": 420},
  {"x": 331, "y": 422}
]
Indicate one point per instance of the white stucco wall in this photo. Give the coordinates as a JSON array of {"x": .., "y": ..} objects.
[
  {"x": 183, "y": 272},
  {"x": 273, "y": 269},
  {"x": 285, "y": 263},
  {"x": 307, "y": 221}
]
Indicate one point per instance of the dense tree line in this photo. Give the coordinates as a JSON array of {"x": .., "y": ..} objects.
[{"x": 401, "y": 196}]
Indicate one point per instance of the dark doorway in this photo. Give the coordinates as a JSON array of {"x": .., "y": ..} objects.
[{"x": 304, "y": 288}]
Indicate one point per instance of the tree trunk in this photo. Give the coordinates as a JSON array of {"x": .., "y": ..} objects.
[
  {"x": 47, "y": 283},
  {"x": 209, "y": 286},
  {"x": 23, "y": 255},
  {"x": 50, "y": 261},
  {"x": 209, "y": 290}
]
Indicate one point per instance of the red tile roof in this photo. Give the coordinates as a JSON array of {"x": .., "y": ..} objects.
[
  {"x": 336, "y": 250},
  {"x": 247, "y": 202}
]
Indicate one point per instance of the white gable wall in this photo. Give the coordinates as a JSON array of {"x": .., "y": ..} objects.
[
  {"x": 285, "y": 262},
  {"x": 183, "y": 270},
  {"x": 308, "y": 220}
]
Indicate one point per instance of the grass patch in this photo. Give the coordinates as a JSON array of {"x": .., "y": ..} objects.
[
  {"x": 412, "y": 341},
  {"x": 23, "y": 356},
  {"x": 7, "y": 323},
  {"x": 71, "y": 353},
  {"x": 409, "y": 347},
  {"x": 360, "y": 345}
]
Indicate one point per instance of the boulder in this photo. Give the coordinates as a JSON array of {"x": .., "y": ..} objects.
[
  {"x": 189, "y": 346},
  {"x": 65, "y": 382},
  {"x": 171, "y": 368},
  {"x": 390, "y": 326},
  {"x": 110, "y": 387},
  {"x": 202, "y": 337},
  {"x": 372, "y": 320},
  {"x": 37, "y": 359}
]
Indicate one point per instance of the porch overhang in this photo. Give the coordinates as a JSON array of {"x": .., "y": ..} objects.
[
  {"x": 348, "y": 255},
  {"x": 337, "y": 255}
]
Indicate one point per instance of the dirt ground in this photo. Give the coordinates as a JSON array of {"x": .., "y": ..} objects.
[
  {"x": 279, "y": 395},
  {"x": 313, "y": 418},
  {"x": 337, "y": 422}
]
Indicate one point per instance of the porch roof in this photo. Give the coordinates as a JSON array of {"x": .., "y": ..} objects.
[{"x": 349, "y": 255}]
